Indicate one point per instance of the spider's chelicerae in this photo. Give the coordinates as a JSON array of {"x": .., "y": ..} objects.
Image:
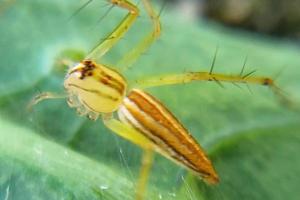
[{"x": 95, "y": 89}]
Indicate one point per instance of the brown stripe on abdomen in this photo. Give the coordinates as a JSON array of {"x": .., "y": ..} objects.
[
  {"x": 133, "y": 115},
  {"x": 160, "y": 126}
]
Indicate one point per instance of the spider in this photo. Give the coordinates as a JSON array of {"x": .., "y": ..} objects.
[{"x": 97, "y": 90}]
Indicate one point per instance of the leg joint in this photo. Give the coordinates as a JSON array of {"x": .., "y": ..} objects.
[{"x": 126, "y": 5}]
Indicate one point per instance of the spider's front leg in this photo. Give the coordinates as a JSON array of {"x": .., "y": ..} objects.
[
  {"x": 146, "y": 42},
  {"x": 104, "y": 46}
]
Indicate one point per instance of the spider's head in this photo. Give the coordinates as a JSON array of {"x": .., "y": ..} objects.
[{"x": 95, "y": 87}]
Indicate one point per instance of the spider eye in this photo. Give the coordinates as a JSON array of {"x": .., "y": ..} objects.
[{"x": 82, "y": 70}]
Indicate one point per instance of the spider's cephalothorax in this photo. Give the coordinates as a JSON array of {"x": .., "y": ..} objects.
[{"x": 94, "y": 88}]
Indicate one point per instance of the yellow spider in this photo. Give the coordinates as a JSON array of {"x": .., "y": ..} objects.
[{"x": 95, "y": 89}]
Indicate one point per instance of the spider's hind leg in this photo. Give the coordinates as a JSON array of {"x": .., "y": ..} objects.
[
  {"x": 147, "y": 162},
  {"x": 133, "y": 135}
]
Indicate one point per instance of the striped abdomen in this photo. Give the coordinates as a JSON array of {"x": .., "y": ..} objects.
[{"x": 146, "y": 114}]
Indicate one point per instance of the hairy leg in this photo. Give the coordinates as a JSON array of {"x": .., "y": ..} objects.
[
  {"x": 104, "y": 46},
  {"x": 182, "y": 78},
  {"x": 146, "y": 42}
]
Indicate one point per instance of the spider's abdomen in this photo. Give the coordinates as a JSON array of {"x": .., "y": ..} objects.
[
  {"x": 96, "y": 87},
  {"x": 146, "y": 114}
]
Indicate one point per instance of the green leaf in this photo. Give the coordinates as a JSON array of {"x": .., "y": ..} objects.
[
  {"x": 266, "y": 160},
  {"x": 36, "y": 168},
  {"x": 51, "y": 153}
]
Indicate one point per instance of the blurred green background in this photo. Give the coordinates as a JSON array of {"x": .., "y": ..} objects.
[{"x": 52, "y": 153}]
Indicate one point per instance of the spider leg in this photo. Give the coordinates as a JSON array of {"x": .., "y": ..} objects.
[
  {"x": 182, "y": 78},
  {"x": 126, "y": 131},
  {"x": 134, "y": 136},
  {"x": 43, "y": 96},
  {"x": 147, "y": 161},
  {"x": 103, "y": 47},
  {"x": 129, "y": 58}
]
